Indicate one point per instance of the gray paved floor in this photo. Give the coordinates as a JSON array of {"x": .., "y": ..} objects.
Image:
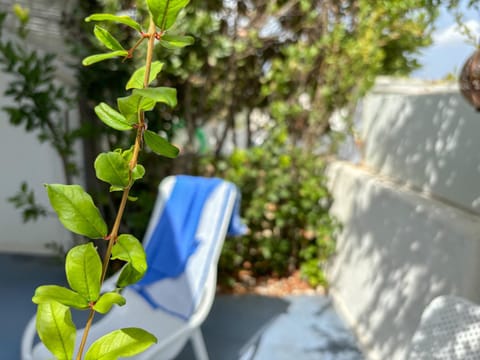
[{"x": 238, "y": 327}]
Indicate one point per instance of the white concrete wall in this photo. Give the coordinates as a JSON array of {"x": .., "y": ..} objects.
[
  {"x": 426, "y": 137},
  {"x": 410, "y": 213},
  {"x": 22, "y": 157}
]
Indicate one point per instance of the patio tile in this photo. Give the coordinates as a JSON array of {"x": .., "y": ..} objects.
[{"x": 253, "y": 327}]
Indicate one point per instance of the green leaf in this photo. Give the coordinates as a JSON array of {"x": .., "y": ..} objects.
[
  {"x": 131, "y": 105},
  {"x": 112, "y": 168},
  {"x": 138, "y": 172},
  {"x": 159, "y": 145},
  {"x": 165, "y": 12},
  {"x": 125, "y": 20},
  {"x": 22, "y": 14},
  {"x": 173, "y": 42},
  {"x": 128, "y": 276},
  {"x": 60, "y": 294},
  {"x": 164, "y": 95},
  {"x": 120, "y": 343},
  {"x": 92, "y": 59},
  {"x": 127, "y": 154},
  {"x": 56, "y": 329},
  {"x": 107, "y": 39},
  {"x": 111, "y": 117},
  {"x": 116, "y": 188},
  {"x": 107, "y": 300},
  {"x": 76, "y": 210},
  {"x": 129, "y": 249},
  {"x": 83, "y": 267},
  {"x": 138, "y": 77}
]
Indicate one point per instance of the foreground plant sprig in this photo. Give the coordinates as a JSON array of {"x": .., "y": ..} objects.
[{"x": 85, "y": 270}]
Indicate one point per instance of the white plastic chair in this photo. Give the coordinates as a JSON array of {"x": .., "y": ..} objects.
[
  {"x": 449, "y": 330},
  {"x": 195, "y": 287}
]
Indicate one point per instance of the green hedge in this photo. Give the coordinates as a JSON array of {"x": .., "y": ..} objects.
[{"x": 285, "y": 204}]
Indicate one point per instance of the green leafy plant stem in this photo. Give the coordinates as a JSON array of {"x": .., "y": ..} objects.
[{"x": 112, "y": 237}]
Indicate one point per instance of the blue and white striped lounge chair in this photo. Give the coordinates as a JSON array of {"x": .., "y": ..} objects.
[{"x": 183, "y": 241}]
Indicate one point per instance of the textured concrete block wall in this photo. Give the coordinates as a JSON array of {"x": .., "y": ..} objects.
[
  {"x": 409, "y": 209},
  {"x": 426, "y": 137}
]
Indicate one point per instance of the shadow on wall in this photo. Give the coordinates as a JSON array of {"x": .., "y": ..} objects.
[
  {"x": 397, "y": 251},
  {"x": 429, "y": 141}
]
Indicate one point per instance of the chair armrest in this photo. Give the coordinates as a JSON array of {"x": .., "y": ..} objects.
[{"x": 27, "y": 339}]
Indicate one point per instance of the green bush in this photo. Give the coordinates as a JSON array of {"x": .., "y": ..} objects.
[{"x": 285, "y": 204}]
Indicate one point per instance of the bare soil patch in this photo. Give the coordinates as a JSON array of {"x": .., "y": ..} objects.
[{"x": 272, "y": 286}]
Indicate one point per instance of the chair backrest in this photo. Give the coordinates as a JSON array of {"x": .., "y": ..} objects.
[
  {"x": 449, "y": 330},
  {"x": 181, "y": 294}
]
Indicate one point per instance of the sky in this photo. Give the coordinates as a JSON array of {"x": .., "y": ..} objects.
[{"x": 450, "y": 48}]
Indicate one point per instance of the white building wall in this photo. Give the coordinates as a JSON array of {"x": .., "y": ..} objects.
[{"x": 22, "y": 157}]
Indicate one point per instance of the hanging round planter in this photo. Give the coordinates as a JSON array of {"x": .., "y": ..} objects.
[{"x": 470, "y": 80}]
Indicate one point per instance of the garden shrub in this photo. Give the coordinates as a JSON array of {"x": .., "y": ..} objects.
[{"x": 285, "y": 204}]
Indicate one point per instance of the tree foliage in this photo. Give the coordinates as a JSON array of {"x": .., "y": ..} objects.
[
  {"x": 296, "y": 60},
  {"x": 292, "y": 61}
]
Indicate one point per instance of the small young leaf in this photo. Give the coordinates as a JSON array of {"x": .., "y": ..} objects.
[
  {"x": 164, "y": 95},
  {"x": 92, "y": 59},
  {"x": 128, "y": 276},
  {"x": 129, "y": 249},
  {"x": 159, "y": 145},
  {"x": 107, "y": 300},
  {"x": 116, "y": 188},
  {"x": 125, "y": 20},
  {"x": 112, "y": 168},
  {"x": 138, "y": 172},
  {"x": 127, "y": 154},
  {"x": 76, "y": 210},
  {"x": 107, "y": 39},
  {"x": 111, "y": 117},
  {"x": 56, "y": 329},
  {"x": 165, "y": 12},
  {"x": 173, "y": 42},
  {"x": 136, "y": 80},
  {"x": 83, "y": 267},
  {"x": 22, "y": 14},
  {"x": 120, "y": 343},
  {"x": 60, "y": 294}
]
